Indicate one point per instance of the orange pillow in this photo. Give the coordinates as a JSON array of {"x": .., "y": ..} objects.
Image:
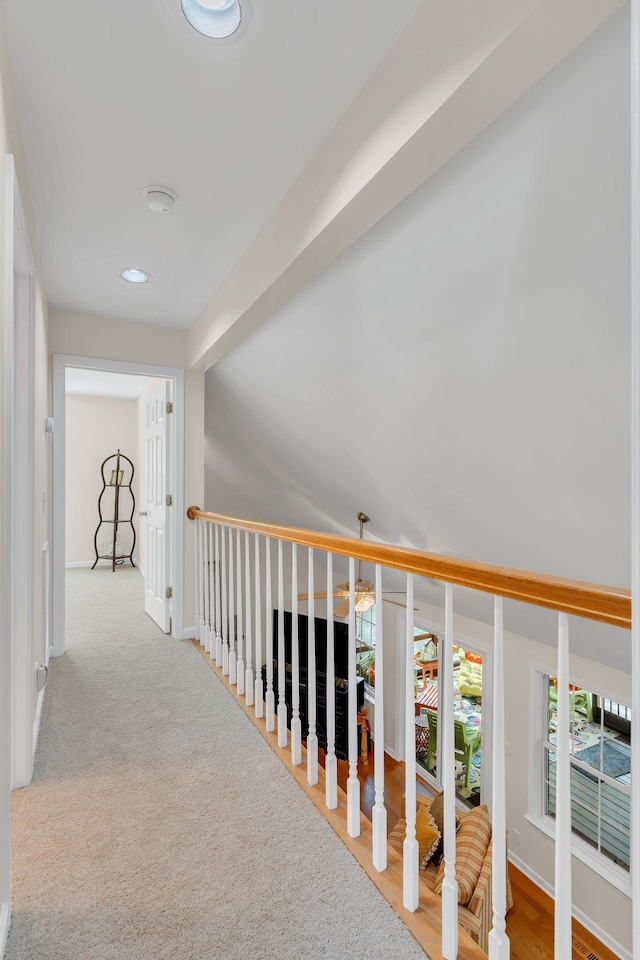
[{"x": 427, "y": 835}]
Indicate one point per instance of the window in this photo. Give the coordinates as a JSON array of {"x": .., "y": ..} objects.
[
  {"x": 365, "y": 645},
  {"x": 600, "y": 748}
]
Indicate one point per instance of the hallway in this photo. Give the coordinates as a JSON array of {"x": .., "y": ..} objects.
[{"x": 160, "y": 825}]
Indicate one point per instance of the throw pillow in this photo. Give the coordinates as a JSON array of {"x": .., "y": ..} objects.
[
  {"x": 437, "y": 812},
  {"x": 472, "y": 842},
  {"x": 427, "y": 835}
]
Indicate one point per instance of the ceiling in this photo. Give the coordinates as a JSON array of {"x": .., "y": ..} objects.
[
  {"x": 116, "y": 96},
  {"x": 102, "y": 383}
]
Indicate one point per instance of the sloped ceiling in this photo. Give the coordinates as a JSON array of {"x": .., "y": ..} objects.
[{"x": 462, "y": 372}]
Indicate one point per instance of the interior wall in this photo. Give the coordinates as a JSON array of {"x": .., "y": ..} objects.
[
  {"x": 461, "y": 373},
  {"x": 11, "y": 143},
  {"x": 95, "y": 428}
]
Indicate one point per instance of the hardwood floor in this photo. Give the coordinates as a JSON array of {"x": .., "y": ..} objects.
[{"x": 530, "y": 921}]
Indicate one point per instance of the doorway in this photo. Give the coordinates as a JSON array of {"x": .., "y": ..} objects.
[
  {"x": 471, "y": 706},
  {"x": 100, "y": 509}
]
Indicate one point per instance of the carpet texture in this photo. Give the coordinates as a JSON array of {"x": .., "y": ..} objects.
[{"x": 159, "y": 824}]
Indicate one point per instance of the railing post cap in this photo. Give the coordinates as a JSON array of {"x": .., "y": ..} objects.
[{"x": 191, "y": 512}]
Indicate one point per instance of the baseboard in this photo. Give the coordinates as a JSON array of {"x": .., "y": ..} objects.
[
  {"x": 140, "y": 568},
  {"x": 5, "y": 920},
  {"x": 581, "y": 917},
  {"x": 392, "y": 753},
  {"x": 78, "y": 563},
  {"x": 188, "y": 633}
]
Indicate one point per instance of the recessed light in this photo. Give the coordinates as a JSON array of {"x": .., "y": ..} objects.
[
  {"x": 213, "y": 18},
  {"x": 135, "y": 276}
]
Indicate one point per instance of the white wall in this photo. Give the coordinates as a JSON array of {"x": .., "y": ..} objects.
[
  {"x": 461, "y": 373},
  {"x": 95, "y": 428},
  {"x": 11, "y": 142}
]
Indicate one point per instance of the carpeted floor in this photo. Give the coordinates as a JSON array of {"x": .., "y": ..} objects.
[{"x": 159, "y": 824}]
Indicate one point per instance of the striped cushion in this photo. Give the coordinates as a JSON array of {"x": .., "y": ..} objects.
[{"x": 472, "y": 840}]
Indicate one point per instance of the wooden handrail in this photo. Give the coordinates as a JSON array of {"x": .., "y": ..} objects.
[{"x": 590, "y": 600}]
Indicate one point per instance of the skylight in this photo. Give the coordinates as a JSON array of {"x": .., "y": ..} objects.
[{"x": 213, "y": 18}]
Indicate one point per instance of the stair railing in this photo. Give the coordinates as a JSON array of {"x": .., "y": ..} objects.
[{"x": 231, "y": 627}]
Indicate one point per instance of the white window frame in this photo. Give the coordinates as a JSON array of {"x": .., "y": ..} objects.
[{"x": 615, "y": 875}]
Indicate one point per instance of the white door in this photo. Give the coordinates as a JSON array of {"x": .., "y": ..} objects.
[{"x": 157, "y": 601}]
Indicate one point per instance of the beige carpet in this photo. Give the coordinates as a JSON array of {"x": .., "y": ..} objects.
[{"x": 159, "y": 823}]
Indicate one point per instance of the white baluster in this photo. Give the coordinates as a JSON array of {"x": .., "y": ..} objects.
[
  {"x": 248, "y": 619},
  {"x": 201, "y": 570},
  {"x": 233, "y": 623},
  {"x": 379, "y": 813},
  {"x": 219, "y": 618},
  {"x": 499, "y": 947},
  {"x": 330, "y": 760},
  {"x": 296, "y": 727},
  {"x": 410, "y": 894},
  {"x": 269, "y": 699},
  {"x": 282, "y": 705},
  {"x": 447, "y": 772},
  {"x": 562, "y": 925},
  {"x": 353, "y": 784},
  {"x": 212, "y": 590},
  {"x": 312, "y": 738},
  {"x": 635, "y": 471},
  {"x": 240, "y": 631},
  {"x": 205, "y": 587},
  {"x": 225, "y": 602},
  {"x": 197, "y": 578},
  {"x": 259, "y": 686}
]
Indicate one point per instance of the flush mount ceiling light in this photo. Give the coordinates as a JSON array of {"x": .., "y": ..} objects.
[
  {"x": 160, "y": 199},
  {"x": 133, "y": 275},
  {"x": 213, "y": 18}
]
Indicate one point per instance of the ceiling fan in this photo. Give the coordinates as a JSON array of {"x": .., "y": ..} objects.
[{"x": 364, "y": 590}]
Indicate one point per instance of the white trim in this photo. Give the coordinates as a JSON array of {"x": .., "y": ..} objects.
[
  {"x": 20, "y": 447},
  {"x": 5, "y": 923},
  {"x": 586, "y": 854},
  {"x": 578, "y": 914},
  {"x": 189, "y": 633},
  {"x": 176, "y": 375},
  {"x": 78, "y": 563},
  {"x": 140, "y": 568}
]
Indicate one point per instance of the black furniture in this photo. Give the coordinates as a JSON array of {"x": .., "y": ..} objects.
[
  {"x": 119, "y": 470},
  {"x": 340, "y": 681}
]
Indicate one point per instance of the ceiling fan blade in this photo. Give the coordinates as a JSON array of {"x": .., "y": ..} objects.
[
  {"x": 317, "y": 596},
  {"x": 342, "y": 610}
]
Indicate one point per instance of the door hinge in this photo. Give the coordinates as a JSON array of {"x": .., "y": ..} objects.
[
  {"x": 169, "y": 500},
  {"x": 169, "y": 406},
  {"x": 168, "y": 593}
]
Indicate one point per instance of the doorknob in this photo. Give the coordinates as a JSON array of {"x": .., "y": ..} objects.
[{"x": 41, "y": 676}]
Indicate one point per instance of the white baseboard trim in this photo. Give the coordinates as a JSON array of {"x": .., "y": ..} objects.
[
  {"x": 140, "y": 568},
  {"x": 5, "y": 920},
  {"x": 78, "y": 563},
  {"x": 392, "y": 753},
  {"x": 581, "y": 917},
  {"x": 188, "y": 633}
]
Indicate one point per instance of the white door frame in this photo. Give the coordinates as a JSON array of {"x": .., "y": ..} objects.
[
  {"x": 16, "y": 652},
  {"x": 60, "y": 363}
]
